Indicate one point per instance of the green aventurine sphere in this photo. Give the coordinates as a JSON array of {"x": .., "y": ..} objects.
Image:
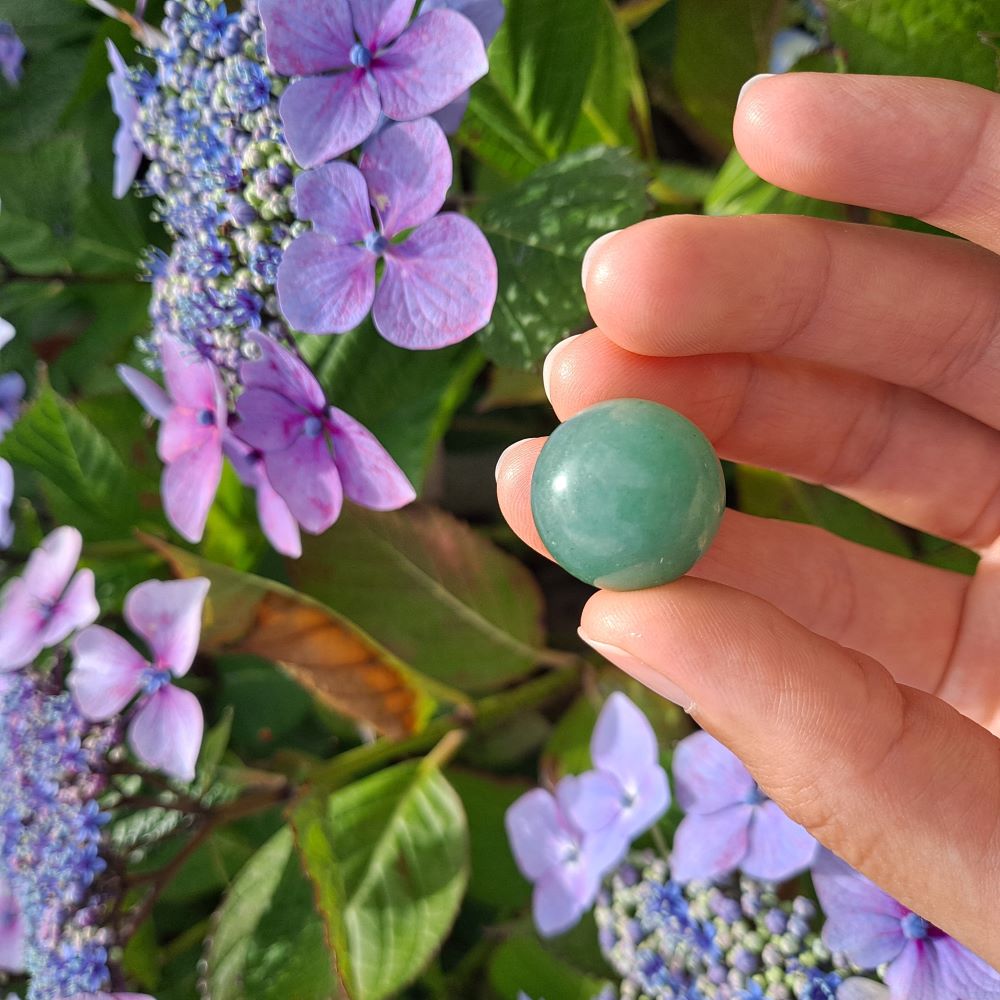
[{"x": 627, "y": 494}]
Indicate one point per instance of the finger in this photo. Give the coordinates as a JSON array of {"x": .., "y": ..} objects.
[
  {"x": 903, "y": 612},
  {"x": 889, "y": 778},
  {"x": 915, "y": 310},
  {"x": 916, "y": 146},
  {"x": 892, "y": 449}
]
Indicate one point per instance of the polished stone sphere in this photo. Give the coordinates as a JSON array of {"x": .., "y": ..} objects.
[{"x": 627, "y": 494}]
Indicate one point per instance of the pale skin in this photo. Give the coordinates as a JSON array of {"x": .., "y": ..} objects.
[{"x": 861, "y": 689}]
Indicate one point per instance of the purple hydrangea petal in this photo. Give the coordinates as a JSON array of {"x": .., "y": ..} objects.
[
  {"x": 189, "y": 486},
  {"x": 7, "y": 333},
  {"x": 283, "y": 371},
  {"x": 307, "y": 36},
  {"x": 651, "y": 801},
  {"x": 192, "y": 381},
  {"x": 167, "y": 730},
  {"x": 12, "y": 390},
  {"x": 789, "y": 46},
  {"x": 709, "y": 776},
  {"x": 379, "y": 22},
  {"x": 486, "y": 15},
  {"x": 623, "y": 742},
  {"x": 779, "y": 847},
  {"x": 408, "y": 168},
  {"x": 857, "y": 988},
  {"x": 964, "y": 974},
  {"x": 151, "y": 395},
  {"x": 369, "y": 475},
  {"x": 592, "y": 800},
  {"x": 325, "y": 116},
  {"x": 269, "y": 420},
  {"x": 534, "y": 828},
  {"x": 916, "y": 973},
  {"x": 168, "y": 614},
  {"x": 106, "y": 674},
  {"x": 12, "y": 53},
  {"x": 76, "y": 608},
  {"x": 182, "y": 432},
  {"x": 451, "y": 116},
  {"x": 335, "y": 199},
  {"x": 128, "y": 155},
  {"x": 20, "y": 633},
  {"x": 556, "y": 907},
  {"x": 276, "y": 520},
  {"x": 437, "y": 58},
  {"x": 50, "y": 567},
  {"x": 439, "y": 287},
  {"x": 307, "y": 479},
  {"x": 324, "y": 287},
  {"x": 861, "y": 920},
  {"x": 706, "y": 847},
  {"x": 13, "y": 932},
  {"x": 6, "y": 501}
]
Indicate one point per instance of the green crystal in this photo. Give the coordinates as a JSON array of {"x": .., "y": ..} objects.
[{"x": 627, "y": 494}]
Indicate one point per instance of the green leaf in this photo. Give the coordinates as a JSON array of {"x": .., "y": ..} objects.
[
  {"x": 85, "y": 481},
  {"x": 719, "y": 45},
  {"x": 540, "y": 231},
  {"x": 405, "y": 398},
  {"x": 441, "y": 597},
  {"x": 268, "y": 941},
  {"x": 389, "y": 856},
  {"x": 955, "y": 39},
  {"x": 522, "y": 964}
]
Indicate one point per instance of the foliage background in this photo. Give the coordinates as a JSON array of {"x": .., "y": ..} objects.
[{"x": 377, "y": 705}]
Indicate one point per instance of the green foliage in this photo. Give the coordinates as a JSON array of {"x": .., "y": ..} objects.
[{"x": 522, "y": 964}]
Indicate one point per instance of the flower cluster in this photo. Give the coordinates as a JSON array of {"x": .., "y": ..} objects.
[
  {"x": 11, "y": 395},
  {"x": 239, "y": 120}
]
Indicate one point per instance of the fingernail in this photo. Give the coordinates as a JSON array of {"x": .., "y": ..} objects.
[
  {"x": 641, "y": 671},
  {"x": 550, "y": 359},
  {"x": 588, "y": 257},
  {"x": 496, "y": 474},
  {"x": 746, "y": 86}
]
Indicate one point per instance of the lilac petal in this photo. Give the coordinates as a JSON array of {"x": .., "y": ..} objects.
[
  {"x": 307, "y": 36},
  {"x": 555, "y": 907},
  {"x": 916, "y": 974},
  {"x": 189, "y": 486},
  {"x": 379, "y": 22},
  {"x": 324, "y": 287},
  {"x": 181, "y": 432},
  {"x": 534, "y": 824},
  {"x": 964, "y": 974},
  {"x": 408, "y": 168},
  {"x": 325, "y": 116},
  {"x": 6, "y": 501},
  {"x": 280, "y": 369},
  {"x": 440, "y": 286},
  {"x": 591, "y": 801},
  {"x": 334, "y": 198},
  {"x": 167, "y": 730},
  {"x": 151, "y": 395},
  {"x": 128, "y": 159},
  {"x": 708, "y": 847},
  {"x": 451, "y": 116},
  {"x": 168, "y": 614},
  {"x": 7, "y": 333},
  {"x": 708, "y": 776},
  {"x": 192, "y": 381},
  {"x": 779, "y": 847},
  {"x": 13, "y": 932},
  {"x": 369, "y": 475},
  {"x": 861, "y": 920},
  {"x": 307, "y": 479},
  {"x": 76, "y": 609},
  {"x": 276, "y": 520},
  {"x": 128, "y": 155},
  {"x": 20, "y": 627},
  {"x": 651, "y": 801},
  {"x": 268, "y": 420},
  {"x": 437, "y": 58},
  {"x": 486, "y": 15},
  {"x": 857, "y": 988},
  {"x": 106, "y": 674},
  {"x": 50, "y": 567},
  {"x": 623, "y": 742}
]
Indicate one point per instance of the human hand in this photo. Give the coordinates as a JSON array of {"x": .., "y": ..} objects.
[{"x": 862, "y": 690}]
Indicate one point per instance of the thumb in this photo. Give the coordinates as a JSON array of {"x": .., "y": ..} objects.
[{"x": 893, "y": 780}]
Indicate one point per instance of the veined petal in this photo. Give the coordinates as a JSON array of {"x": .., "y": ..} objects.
[
  {"x": 167, "y": 730},
  {"x": 269, "y": 420},
  {"x": 307, "y": 36},
  {"x": 50, "y": 567},
  {"x": 486, "y": 15},
  {"x": 75, "y": 609},
  {"x": 438, "y": 57},
  {"x": 440, "y": 286},
  {"x": 708, "y": 847},
  {"x": 151, "y": 395},
  {"x": 307, "y": 479},
  {"x": 276, "y": 520},
  {"x": 916, "y": 974},
  {"x": 168, "y": 614},
  {"x": 189, "y": 486},
  {"x": 369, "y": 475},
  {"x": 325, "y": 116},
  {"x": 280, "y": 369},
  {"x": 334, "y": 197},
  {"x": 378, "y": 22},
  {"x": 623, "y": 742},
  {"x": 324, "y": 287},
  {"x": 964, "y": 974},
  {"x": 591, "y": 801},
  {"x": 408, "y": 168},
  {"x": 709, "y": 776},
  {"x": 106, "y": 674},
  {"x": 192, "y": 381},
  {"x": 535, "y": 829},
  {"x": 652, "y": 800},
  {"x": 779, "y": 847},
  {"x": 183, "y": 431}
]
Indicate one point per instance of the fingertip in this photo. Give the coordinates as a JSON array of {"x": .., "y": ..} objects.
[{"x": 513, "y": 474}]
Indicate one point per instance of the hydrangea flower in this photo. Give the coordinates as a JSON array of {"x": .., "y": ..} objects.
[
  {"x": 439, "y": 284},
  {"x": 166, "y": 730},
  {"x": 314, "y": 454},
  {"x": 628, "y": 791},
  {"x": 11, "y": 930},
  {"x": 12, "y": 53},
  {"x": 789, "y": 46},
  {"x": 564, "y": 864},
  {"x": 360, "y": 59},
  {"x": 48, "y": 602},
  {"x": 921, "y": 961},
  {"x": 730, "y": 823},
  {"x": 128, "y": 153}
]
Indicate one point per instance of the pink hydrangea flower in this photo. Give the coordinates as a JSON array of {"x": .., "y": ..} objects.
[{"x": 167, "y": 728}]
